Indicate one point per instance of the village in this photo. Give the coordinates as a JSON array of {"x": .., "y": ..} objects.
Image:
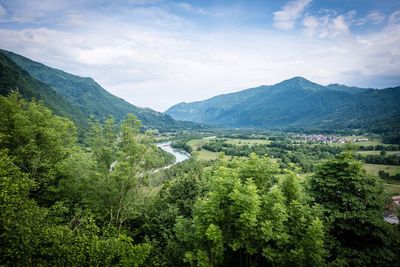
[{"x": 320, "y": 138}]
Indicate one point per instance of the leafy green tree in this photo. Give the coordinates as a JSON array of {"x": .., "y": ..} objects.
[
  {"x": 20, "y": 217},
  {"x": 353, "y": 204},
  {"x": 103, "y": 143},
  {"x": 37, "y": 139},
  {"x": 179, "y": 192},
  {"x": 39, "y": 157},
  {"x": 125, "y": 157},
  {"x": 79, "y": 180},
  {"x": 261, "y": 169},
  {"x": 223, "y": 219},
  {"x": 237, "y": 223},
  {"x": 291, "y": 232}
]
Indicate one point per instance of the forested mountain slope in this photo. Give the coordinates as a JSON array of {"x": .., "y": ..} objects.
[
  {"x": 298, "y": 103},
  {"x": 13, "y": 78},
  {"x": 88, "y": 97}
]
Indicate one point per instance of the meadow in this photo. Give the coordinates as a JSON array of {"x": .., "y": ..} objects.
[{"x": 391, "y": 186}]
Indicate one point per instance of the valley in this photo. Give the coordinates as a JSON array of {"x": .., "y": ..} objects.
[
  {"x": 152, "y": 133},
  {"x": 218, "y": 146},
  {"x": 266, "y": 174}
]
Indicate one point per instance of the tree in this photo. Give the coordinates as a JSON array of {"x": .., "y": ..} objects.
[
  {"x": 182, "y": 187},
  {"x": 292, "y": 232},
  {"x": 225, "y": 219},
  {"x": 248, "y": 217},
  {"x": 125, "y": 158},
  {"x": 38, "y": 155},
  {"x": 20, "y": 218},
  {"x": 37, "y": 139},
  {"x": 261, "y": 169},
  {"x": 353, "y": 204},
  {"x": 102, "y": 139}
]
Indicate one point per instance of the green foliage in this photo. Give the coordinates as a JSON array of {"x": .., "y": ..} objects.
[
  {"x": 40, "y": 165},
  {"x": 287, "y": 150},
  {"x": 115, "y": 181},
  {"x": 13, "y": 78},
  {"x": 36, "y": 138},
  {"x": 111, "y": 203},
  {"x": 380, "y": 159},
  {"x": 249, "y": 215},
  {"x": 19, "y": 230},
  {"x": 182, "y": 186},
  {"x": 182, "y": 144},
  {"x": 102, "y": 140},
  {"x": 386, "y": 176},
  {"x": 353, "y": 205},
  {"x": 260, "y": 169},
  {"x": 33, "y": 235}
]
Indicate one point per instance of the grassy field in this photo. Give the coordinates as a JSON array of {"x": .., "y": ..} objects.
[
  {"x": 376, "y": 152},
  {"x": 370, "y": 142},
  {"x": 203, "y": 154},
  {"x": 196, "y": 143},
  {"x": 393, "y": 188},
  {"x": 375, "y": 168},
  {"x": 353, "y": 140}
]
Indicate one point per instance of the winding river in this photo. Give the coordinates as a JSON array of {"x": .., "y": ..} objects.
[{"x": 180, "y": 155}]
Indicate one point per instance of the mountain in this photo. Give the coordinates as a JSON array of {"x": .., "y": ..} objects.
[
  {"x": 12, "y": 77},
  {"x": 298, "y": 103},
  {"x": 88, "y": 97}
]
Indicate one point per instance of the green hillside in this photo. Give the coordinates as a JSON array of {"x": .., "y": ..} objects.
[
  {"x": 298, "y": 103},
  {"x": 89, "y": 98},
  {"x": 13, "y": 78}
]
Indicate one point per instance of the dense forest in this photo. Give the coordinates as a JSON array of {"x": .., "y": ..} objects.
[{"x": 105, "y": 200}]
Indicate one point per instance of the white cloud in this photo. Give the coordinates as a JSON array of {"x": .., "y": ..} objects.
[
  {"x": 189, "y": 7},
  {"x": 374, "y": 17},
  {"x": 158, "y": 59},
  {"x": 339, "y": 26},
  {"x": 311, "y": 25},
  {"x": 395, "y": 17},
  {"x": 329, "y": 25},
  {"x": 285, "y": 18},
  {"x": 38, "y": 11}
]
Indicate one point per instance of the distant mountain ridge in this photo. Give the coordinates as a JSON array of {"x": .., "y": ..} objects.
[
  {"x": 88, "y": 97},
  {"x": 297, "y": 103}
]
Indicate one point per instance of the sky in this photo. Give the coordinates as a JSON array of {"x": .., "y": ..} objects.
[{"x": 156, "y": 53}]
